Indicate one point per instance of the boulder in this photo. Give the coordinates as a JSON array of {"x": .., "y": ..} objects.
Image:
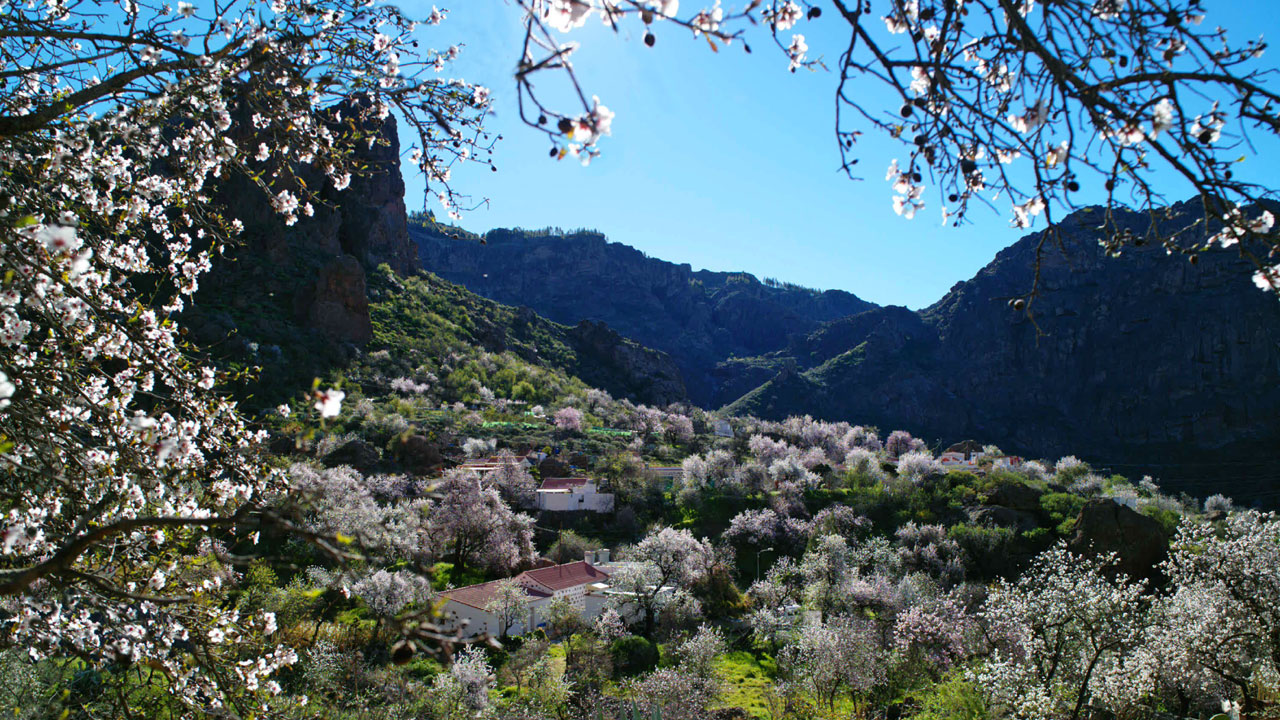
[
  {"x": 1105, "y": 526},
  {"x": 1000, "y": 516},
  {"x": 419, "y": 455},
  {"x": 1015, "y": 495},
  {"x": 357, "y": 454}
]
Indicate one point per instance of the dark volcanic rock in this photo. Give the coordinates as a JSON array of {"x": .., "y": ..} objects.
[
  {"x": 357, "y": 454},
  {"x": 419, "y": 455},
  {"x": 1015, "y": 495},
  {"x": 699, "y": 318},
  {"x": 636, "y": 370},
  {"x": 999, "y": 516},
  {"x": 1125, "y": 362},
  {"x": 316, "y": 267},
  {"x": 374, "y": 225},
  {"x": 337, "y": 304},
  {"x": 1138, "y": 541}
]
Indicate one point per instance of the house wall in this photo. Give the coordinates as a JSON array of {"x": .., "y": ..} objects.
[
  {"x": 477, "y": 620},
  {"x": 570, "y": 501},
  {"x": 481, "y": 621}
]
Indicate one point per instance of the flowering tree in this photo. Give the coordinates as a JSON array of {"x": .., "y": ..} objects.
[
  {"x": 840, "y": 656},
  {"x": 759, "y": 528},
  {"x": 462, "y": 692},
  {"x": 666, "y": 562},
  {"x": 1066, "y": 624},
  {"x": 936, "y": 632},
  {"x": 472, "y": 526},
  {"x": 568, "y": 418},
  {"x": 918, "y": 466},
  {"x": 388, "y": 593},
  {"x": 1044, "y": 105},
  {"x": 900, "y": 443},
  {"x": 776, "y": 601},
  {"x": 513, "y": 480},
  {"x": 697, "y": 654},
  {"x": 672, "y": 693},
  {"x": 119, "y": 457},
  {"x": 928, "y": 548},
  {"x": 508, "y": 603},
  {"x": 1222, "y": 622}
]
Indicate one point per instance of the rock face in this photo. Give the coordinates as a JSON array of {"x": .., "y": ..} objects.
[
  {"x": 338, "y": 303},
  {"x": 1143, "y": 363},
  {"x": 630, "y": 368},
  {"x": 374, "y": 226},
  {"x": 1138, "y": 541},
  {"x": 699, "y": 318},
  {"x": 317, "y": 267}
]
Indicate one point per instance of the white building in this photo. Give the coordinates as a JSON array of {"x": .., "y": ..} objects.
[
  {"x": 566, "y": 494},
  {"x": 961, "y": 456},
  {"x": 576, "y": 581},
  {"x": 723, "y": 429}
]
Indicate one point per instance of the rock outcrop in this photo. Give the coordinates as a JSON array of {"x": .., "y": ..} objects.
[
  {"x": 374, "y": 227},
  {"x": 317, "y": 267},
  {"x": 628, "y": 367},
  {"x": 338, "y": 304},
  {"x": 419, "y": 455},
  {"x": 1138, "y": 542}
]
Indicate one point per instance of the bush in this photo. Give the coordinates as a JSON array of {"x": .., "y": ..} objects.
[
  {"x": 633, "y": 655},
  {"x": 571, "y": 547},
  {"x": 954, "y": 698},
  {"x": 1063, "y": 509}
]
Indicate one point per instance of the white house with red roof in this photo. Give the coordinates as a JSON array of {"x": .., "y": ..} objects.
[
  {"x": 566, "y": 494},
  {"x": 962, "y": 456},
  {"x": 573, "y": 581}
]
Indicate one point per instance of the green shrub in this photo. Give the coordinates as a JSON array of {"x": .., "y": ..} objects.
[
  {"x": 633, "y": 655},
  {"x": 1063, "y": 509},
  {"x": 953, "y": 698},
  {"x": 1168, "y": 519}
]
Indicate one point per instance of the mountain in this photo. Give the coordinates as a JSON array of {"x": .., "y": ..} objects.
[
  {"x": 1143, "y": 363},
  {"x": 300, "y": 301},
  {"x": 699, "y": 318}
]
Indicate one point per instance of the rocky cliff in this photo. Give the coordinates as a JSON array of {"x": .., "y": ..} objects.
[
  {"x": 699, "y": 318},
  {"x": 1143, "y": 363},
  {"x": 295, "y": 300}
]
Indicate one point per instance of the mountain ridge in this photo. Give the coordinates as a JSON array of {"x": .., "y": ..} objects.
[
  {"x": 697, "y": 317},
  {"x": 1136, "y": 360}
]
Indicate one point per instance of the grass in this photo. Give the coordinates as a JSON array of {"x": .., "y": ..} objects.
[{"x": 747, "y": 676}]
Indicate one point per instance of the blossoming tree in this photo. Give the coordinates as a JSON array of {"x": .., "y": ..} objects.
[{"x": 125, "y": 473}]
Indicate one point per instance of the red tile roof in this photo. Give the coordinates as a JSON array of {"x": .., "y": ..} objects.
[
  {"x": 478, "y": 596},
  {"x": 564, "y": 576},
  {"x": 556, "y": 577},
  {"x": 563, "y": 483}
]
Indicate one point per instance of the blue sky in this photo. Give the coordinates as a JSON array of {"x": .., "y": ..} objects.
[{"x": 725, "y": 161}]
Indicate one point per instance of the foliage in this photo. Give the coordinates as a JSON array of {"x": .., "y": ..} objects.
[{"x": 633, "y": 655}]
